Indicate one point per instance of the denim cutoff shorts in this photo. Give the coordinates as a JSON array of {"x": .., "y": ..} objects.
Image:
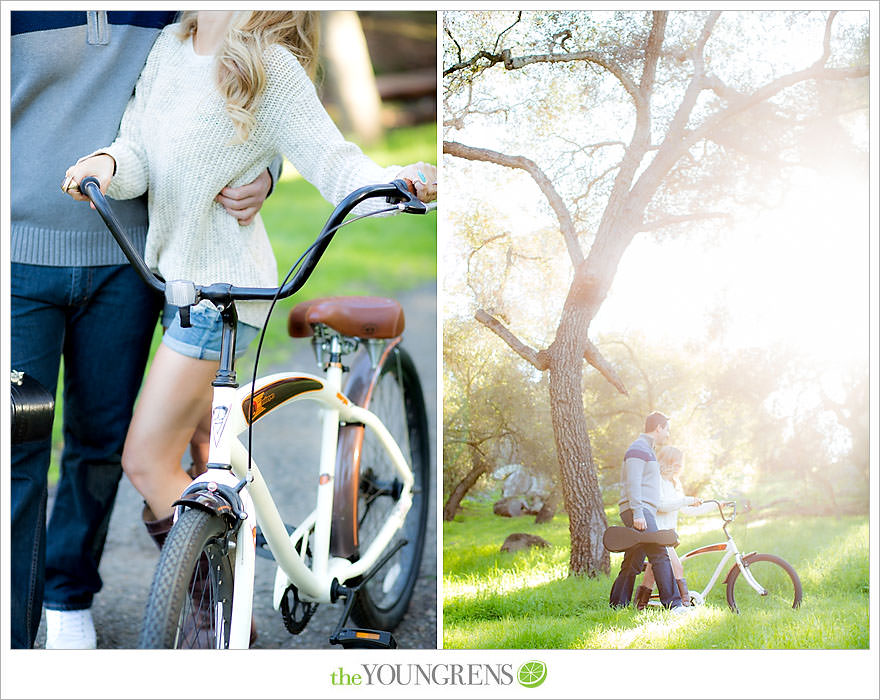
[{"x": 202, "y": 339}]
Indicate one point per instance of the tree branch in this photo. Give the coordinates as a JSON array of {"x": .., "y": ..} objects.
[
  {"x": 501, "y": 34},
  {"x": 492, "y": 58},
  {"x": 743, "y": 102},
  {"x": 566, "y": 226},
  {"x": 679, "y": 143},
  {"x": 681, "y": 219},
  {"x": 595, "y": 358},
  {"x": 826, "y": 41},
  {"x": 517, "y": 62},
  {"x": 596, "y": 180},
  {"x": 588, "y": 56},
  {"x": 457, "y": 45},
  {"x": 529, "y": 354},
  {"x": 652, "y": 55},
  {"x": 670, "y": 150}
]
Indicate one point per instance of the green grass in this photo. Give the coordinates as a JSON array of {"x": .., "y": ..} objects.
[
  {"x": 527, "y": 599},
  {"x": 381, "y": 256}
]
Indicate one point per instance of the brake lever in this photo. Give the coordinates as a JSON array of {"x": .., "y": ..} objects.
[
  {"x": 408, "y": 202},
  {"x": 184, "y": 317}
]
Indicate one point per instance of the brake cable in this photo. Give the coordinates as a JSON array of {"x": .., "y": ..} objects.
[{"x": 290, "y": 272}]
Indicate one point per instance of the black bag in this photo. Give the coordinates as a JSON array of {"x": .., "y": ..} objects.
[{"x": 33, "y": 409}]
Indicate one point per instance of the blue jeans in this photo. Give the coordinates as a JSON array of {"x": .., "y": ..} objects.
[
  {"x": 622, "y": 589},
  {"x": 101, "y": 320}
]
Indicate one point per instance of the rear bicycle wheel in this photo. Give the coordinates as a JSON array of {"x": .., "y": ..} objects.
[
  {"x": 774, "y": 574},
  {"x": 396, "y": 398},
  {"x": 190, "y": 602}
]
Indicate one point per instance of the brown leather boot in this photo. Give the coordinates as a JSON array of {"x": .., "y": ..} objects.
[
  {"x": 156, "y": 528},
  {"x": 683, "y": 590},
  {"x": 643, "y": 595}
]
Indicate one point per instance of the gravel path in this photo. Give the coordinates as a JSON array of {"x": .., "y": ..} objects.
[{"x": 130, "y": 556}]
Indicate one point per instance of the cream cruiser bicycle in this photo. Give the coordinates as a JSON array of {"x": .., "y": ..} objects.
[
  {"x": 363, "y": 541},
  {"x": 754, "y": 581}
]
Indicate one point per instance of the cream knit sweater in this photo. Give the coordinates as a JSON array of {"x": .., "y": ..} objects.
[
  {"x": 174, "y": 143},
  {"x": 673, "y": 500}
]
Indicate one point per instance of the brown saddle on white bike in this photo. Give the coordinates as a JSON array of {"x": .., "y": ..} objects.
[{"x": 357, "y": 317}]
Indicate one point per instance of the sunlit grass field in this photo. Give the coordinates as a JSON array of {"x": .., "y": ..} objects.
[{"x": 522, "y": 600}]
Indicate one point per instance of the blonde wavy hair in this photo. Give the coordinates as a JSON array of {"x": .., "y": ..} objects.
[
  {"x": 241, "y": 75},
  {"x": 671, "y": 460}
]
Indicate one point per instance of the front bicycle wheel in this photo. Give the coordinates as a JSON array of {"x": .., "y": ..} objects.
[
  {"x": 190, "y": 602},
  {"x": 775, "y": 575},
  {"x": 396, "y": 398}
]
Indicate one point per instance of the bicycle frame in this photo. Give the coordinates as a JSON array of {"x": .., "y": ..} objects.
[
  {"x": 230, "y": 418},
  {"x": 730, "y": 551}
]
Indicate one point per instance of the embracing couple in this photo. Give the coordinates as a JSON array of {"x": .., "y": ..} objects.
[
  {"x": 186, "y": 117},
  {"x": 651, "y": 497}
]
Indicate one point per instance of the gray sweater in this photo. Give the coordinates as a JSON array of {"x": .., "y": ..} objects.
[
  {"x": 72, "y": 74},
  {"x": 640, "y": 478}
]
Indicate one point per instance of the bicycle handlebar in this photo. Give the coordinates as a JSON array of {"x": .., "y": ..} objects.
[
  {"x": 746, "y": 507},
  {"x": 186, "y": 293}
]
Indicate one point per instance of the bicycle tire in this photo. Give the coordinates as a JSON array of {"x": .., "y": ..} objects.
[
  {"x": 396, "y": 398},
  {"x": 193, "y": 582},
  {"x": 776, "y": 575}
]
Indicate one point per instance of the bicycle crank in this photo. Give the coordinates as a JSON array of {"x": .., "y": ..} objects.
[
  {"x": 354, "y": 638},
  {"x": 295, "y": 612}
]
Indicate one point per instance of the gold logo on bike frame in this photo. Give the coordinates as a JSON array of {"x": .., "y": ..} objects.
[{"x": 277, "y": 393}]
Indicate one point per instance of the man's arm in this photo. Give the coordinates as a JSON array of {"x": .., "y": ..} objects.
[
  {"x": 633, "y": 469},
  {"x": 244, "y": 202}
]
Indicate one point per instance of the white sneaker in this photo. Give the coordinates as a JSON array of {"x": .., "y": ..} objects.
[
  {"x": 70, "y": 629},
  {"x": 682, "y": 610}
]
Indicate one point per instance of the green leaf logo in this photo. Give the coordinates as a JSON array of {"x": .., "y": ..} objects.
[{"x": 532, "y": 673}]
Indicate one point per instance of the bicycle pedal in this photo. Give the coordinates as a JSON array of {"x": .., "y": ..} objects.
[{"x": 364, "y": 639}]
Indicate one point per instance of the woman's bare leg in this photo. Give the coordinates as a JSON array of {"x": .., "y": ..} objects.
[
  {"x": 198, "y": 446},
  {"x": 175, "y": 398},
  {"x": 677, "y": 568}
]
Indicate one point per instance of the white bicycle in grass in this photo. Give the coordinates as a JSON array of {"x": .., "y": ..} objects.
[
  {"x": 363, "y": 542},
  {"x": 754, "y": 582}
]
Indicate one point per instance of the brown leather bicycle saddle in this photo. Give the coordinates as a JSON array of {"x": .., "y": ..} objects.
[{"x": 359, "y": 317}]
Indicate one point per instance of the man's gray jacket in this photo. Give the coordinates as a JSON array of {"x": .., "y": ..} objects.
[{"x": 640, "y": 478}]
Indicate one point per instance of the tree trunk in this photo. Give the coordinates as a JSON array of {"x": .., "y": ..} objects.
[
  {"x": 350, "y": 76},
  {"x": 454, "y": 501},
  {"x": 580, "y": 485}
]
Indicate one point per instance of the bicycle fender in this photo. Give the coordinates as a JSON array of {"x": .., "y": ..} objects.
[
  {"x": 735, "y": 566},
  {"x": 211, "y": 497},
  {"x": 343, "y": 531}
]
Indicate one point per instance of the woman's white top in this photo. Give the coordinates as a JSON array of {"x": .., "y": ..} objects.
[
  {"x": 174, "y": 143},
  {"x": 673, "y": 500}
]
